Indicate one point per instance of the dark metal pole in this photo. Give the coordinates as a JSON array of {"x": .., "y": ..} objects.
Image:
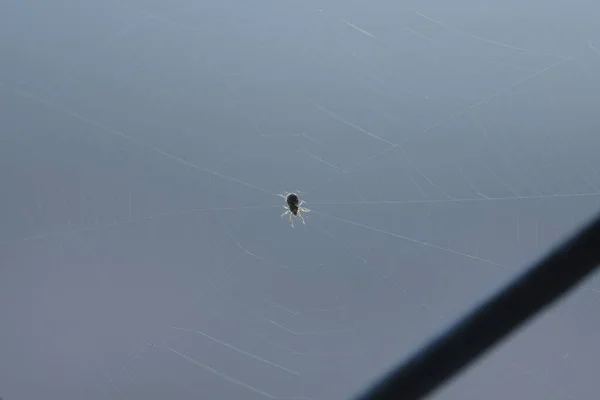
[{"x": 493, "y": 320}]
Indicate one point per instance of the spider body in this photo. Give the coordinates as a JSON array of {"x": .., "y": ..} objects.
[
  {"x": 293, "y": 206},
  {"x": 293, "y": 203}
]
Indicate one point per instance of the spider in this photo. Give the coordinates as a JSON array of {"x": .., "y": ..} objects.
[{"x": 293, "y": 207}]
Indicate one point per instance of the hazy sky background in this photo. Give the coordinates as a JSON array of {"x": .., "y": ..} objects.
[{"x": 441, "y": 147}]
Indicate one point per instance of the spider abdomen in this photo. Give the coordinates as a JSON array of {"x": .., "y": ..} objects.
[{"x": 292, "y": 201}]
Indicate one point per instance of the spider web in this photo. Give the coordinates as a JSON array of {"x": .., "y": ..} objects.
[{"x": 436, "y": 164}]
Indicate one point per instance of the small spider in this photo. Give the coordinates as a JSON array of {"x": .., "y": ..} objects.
[{"x": 293, "y": 207}]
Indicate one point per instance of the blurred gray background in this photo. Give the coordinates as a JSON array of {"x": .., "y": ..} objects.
[{"x": 441, "y": 147}]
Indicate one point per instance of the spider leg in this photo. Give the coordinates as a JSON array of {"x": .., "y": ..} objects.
[
  {"x": 301, "y": 217},
  {"x": 306, "y": 210},
  {"x": 291, "y": 220},
  {"x": 287, "y": 212}
]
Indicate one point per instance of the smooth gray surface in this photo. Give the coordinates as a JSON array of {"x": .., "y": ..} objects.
[{"x": 143, "y": 145}]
